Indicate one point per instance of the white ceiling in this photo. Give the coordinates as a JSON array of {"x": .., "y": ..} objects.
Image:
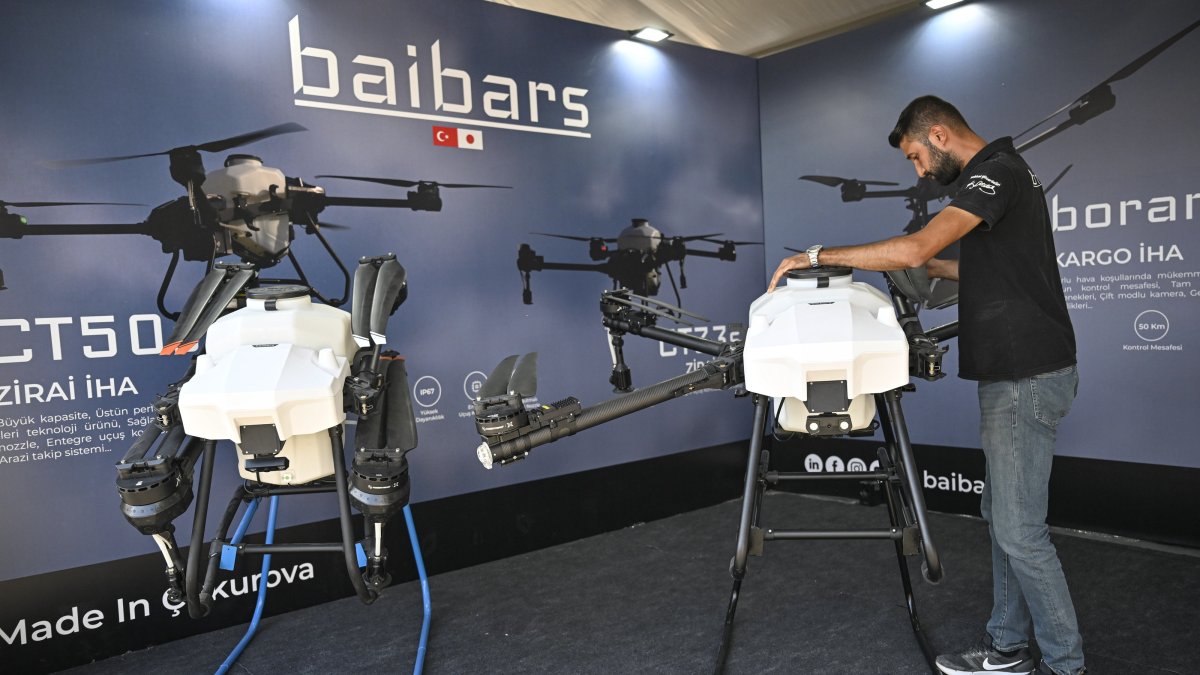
[{"x": 747, "y": 27}]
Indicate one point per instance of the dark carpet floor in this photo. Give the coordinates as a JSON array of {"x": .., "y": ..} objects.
[{"x": 652, "y": 598}]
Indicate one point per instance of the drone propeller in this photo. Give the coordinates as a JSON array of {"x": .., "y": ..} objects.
[
  {"x": 323, "y": 225},
  {"x": 390, "y": 288},
  {"x": 1058, "y": 178},
  {"x": 524, "y": 377},
  {"x": 201, "y": 294},
  {"x": 695, "y": 237},
  {"x": 216, "y": 303},
  {"x": 735, "y": 243},
  {"x": 363, "y": 299},
  {"x": 572, "y": 237},
  {"x": 402, "y": 182},
  {"x": 1100, "y": 97},
  {"x": 512, "y": 377},
  {"x": 834, "y": 181},
  {"x": 211, "y": 146},
  {"x": 496, "y": 383},
  {"x": 33, "y": 204}
]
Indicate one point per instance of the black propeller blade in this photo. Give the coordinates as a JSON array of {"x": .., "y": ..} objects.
[
  {"x": 212, "y": 311},
  {"x": 695, "y": 237},
  {"x": 201, "y": 294},
  {"x": 363, "y": 300},
  {"x": 496, "y": 384},
  {"x": 524, "y": 376},
  {"x": 834, "y": 181},
  {"x": 1058, "y": 178},
  {"x": 1102, "y": 92},
  {"x": 391, "y": 283},
  {"x": 402, "y": 182},
  {"x": 572, "y": 237},
  {"x": 211, "y": 146},
  {"x": 735, "y": 243}
]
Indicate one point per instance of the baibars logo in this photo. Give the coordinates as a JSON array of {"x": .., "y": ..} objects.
[{"x": 493, "y": 100}]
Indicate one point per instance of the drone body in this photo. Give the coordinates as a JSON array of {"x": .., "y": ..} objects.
[
  {"x": 637, "y": 262},
  {"x": 282, "y": 368},
  {"x": 244, "y": 194}
]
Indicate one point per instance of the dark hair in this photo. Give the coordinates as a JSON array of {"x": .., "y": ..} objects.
[{"x": 924, "y": 112}]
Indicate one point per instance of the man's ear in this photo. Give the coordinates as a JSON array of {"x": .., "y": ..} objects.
[{"x": 939, "y": 136}]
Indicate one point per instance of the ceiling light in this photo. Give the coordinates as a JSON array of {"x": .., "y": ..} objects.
[
  {"x": 938, "y": 4},
  {"x": 650, "y": 34}
]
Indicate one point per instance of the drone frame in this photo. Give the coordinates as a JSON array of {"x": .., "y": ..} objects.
[
  {"x": 897, "y": 477},
  {"x": 155, "y": 477}
]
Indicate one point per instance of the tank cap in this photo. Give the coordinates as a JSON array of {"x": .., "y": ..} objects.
[
  {"x": 819, "y": 272},
  {"x": 278, "y": 292},
  {"x": 241, "y": 159}
]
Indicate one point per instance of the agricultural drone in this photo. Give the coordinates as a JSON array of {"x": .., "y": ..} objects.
[
  {"x": 637, "y": 262},
  {"x": 278, "y": 378},
  {"x": 244, "y": 209},
  {"x": 827, "y": 354}
]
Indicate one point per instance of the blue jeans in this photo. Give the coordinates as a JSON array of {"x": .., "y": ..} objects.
[{"x": 1018, "y": 425}]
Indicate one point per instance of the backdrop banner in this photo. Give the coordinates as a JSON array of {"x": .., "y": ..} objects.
[
  {"x": 517, "y": 123},
  {"x": 1102, "y": 97}
]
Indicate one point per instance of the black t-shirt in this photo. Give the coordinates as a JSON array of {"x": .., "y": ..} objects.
[{"x": 1013, "y": 319}]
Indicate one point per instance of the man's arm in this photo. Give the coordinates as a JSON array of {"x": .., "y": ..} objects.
[{"x": 911, "y": 250}]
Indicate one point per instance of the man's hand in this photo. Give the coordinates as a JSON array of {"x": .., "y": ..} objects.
[
  {"x": 794, "y": 262},
  {"x": 937, "y": 268}
]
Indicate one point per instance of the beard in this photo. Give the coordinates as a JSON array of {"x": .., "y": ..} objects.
[{"x": 943, "y": 166}]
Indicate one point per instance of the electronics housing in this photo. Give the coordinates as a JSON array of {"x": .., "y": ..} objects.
[{"x": 275, "y": 367}]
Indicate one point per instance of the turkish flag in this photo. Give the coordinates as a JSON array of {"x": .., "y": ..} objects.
[{"x": 452, "y": 137}]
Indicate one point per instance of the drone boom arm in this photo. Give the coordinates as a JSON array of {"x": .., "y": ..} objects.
[
  {"x": 380, "y": 202},
  {"x": 596, "y": 267},
  {"x": 719, "y": 373},
  {"x": 722, "y": 254},
  {"x": 701, "y": 345},
  {"x": 910, "y": 192},
  {"x": 44, "y": 230}
]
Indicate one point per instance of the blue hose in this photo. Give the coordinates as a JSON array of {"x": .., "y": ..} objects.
[
  {"x": 262, "y": 580},
  {"x": 416, "y": 547},
  {"x": 240, "y": 532}
]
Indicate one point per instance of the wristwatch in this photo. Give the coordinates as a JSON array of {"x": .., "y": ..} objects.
[{"x": 812, "y": 252}]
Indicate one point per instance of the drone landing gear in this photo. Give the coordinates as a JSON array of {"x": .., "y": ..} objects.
[
  {"x": 373, "y": 580},
  {"x": 367, "y": 571},
  {"x": 908, "y": 531},
  {"x": 155, "y": 483}
]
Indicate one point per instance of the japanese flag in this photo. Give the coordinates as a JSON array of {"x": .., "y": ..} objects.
[{"x": 452, "y": 137}]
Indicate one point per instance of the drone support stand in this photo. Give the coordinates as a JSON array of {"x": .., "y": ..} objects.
[{"x": 906, "y": 513}]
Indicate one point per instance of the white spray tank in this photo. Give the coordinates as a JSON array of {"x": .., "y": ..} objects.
[
  {"x": 242, "y": 185},
  {"x": 272, "y": 378},
  {"x": 824, "y": 344}
]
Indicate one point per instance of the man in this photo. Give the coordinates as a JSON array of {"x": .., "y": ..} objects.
[{"x": 1016, "y": 340}]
